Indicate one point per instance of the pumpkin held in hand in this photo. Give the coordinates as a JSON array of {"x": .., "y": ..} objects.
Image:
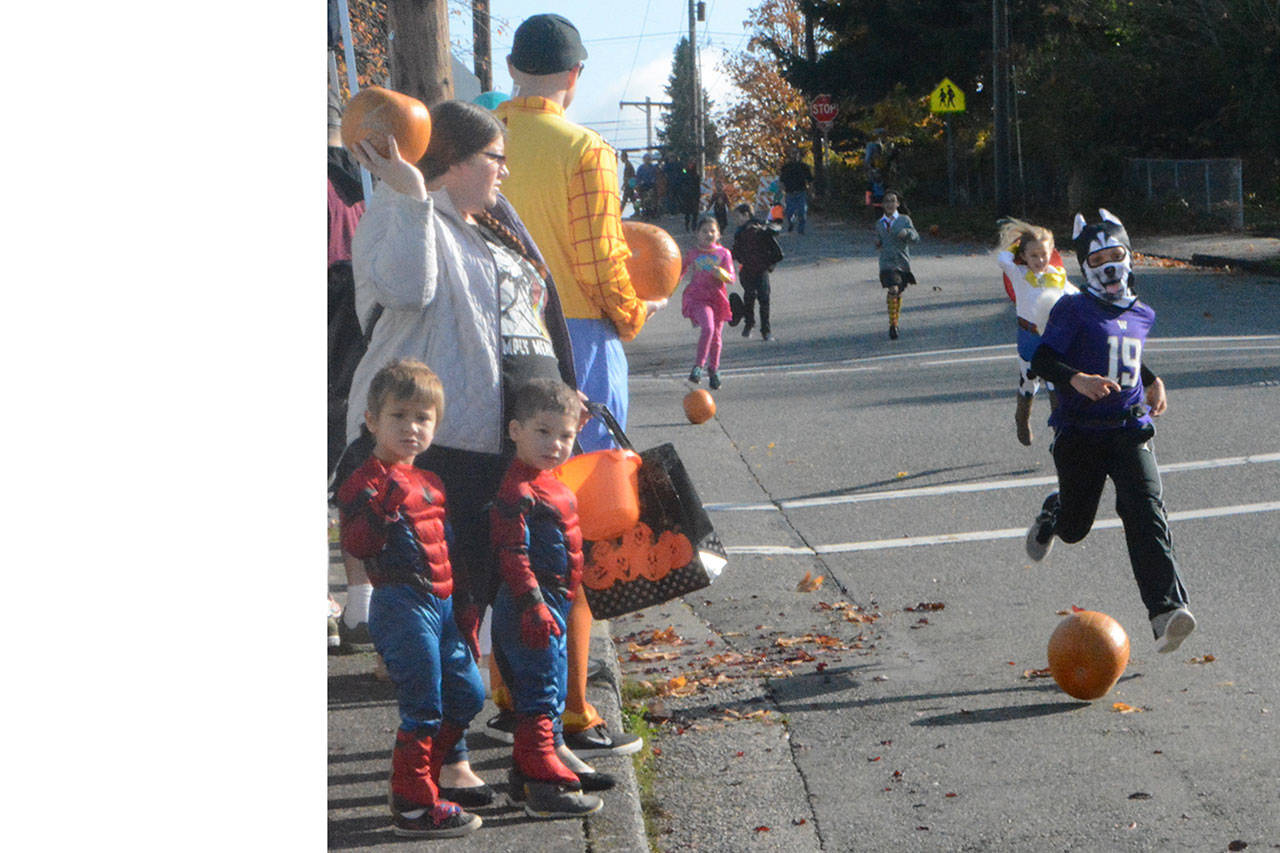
[
  {"x": 1088, "y": 652},
  {"x": 699, "y": 406},
  {"x": 375, "y": 112},
  {"x": 654, "y": 265}
]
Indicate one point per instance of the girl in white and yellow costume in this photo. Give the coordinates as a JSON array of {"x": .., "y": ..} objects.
[{"x": 1036, "y": 279}]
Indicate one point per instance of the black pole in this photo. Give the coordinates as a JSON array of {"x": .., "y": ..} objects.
[{"x": 1000, "y": 99}]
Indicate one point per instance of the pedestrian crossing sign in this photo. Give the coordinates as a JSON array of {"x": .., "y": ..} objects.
[{"x": 947, "y": 98}]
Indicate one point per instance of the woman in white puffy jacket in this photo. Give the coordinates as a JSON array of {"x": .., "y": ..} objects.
[{"x": 447, "y": 274}]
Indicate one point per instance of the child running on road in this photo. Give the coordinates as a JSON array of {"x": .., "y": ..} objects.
[
  {"x": 708, "y": 267},
  {"x": 1092, "y": 350},
  {"x": 538, "y": 547},
  {"x": 894, "y": 235},
  {"x": 1035, "y": 274},
  {"x": 393, "y": 518}
]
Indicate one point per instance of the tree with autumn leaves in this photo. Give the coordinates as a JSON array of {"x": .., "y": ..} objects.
[{"x": 771, "y": 116}]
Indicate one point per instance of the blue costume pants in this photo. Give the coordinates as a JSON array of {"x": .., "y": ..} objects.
[
  {"x": 537, "y": 678},
  {"x": 426, "y": 657},
  {"x": 601, "y": 367}
]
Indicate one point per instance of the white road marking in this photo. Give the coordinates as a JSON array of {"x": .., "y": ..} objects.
[
  {"x": 963, "y": 488},
  {"x": 975, "y": 535},
  {"x": 968, "y": 355}
]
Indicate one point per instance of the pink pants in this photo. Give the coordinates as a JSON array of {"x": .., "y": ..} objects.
[{"x": 709, "y": 336}]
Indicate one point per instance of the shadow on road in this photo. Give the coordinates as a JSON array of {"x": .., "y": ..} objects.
[{"x": 997, "y": 715}]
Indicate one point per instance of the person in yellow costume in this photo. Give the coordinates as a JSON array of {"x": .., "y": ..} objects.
[{"x": 564, "y": 185}]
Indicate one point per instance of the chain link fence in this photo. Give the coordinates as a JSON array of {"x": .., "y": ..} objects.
[{"x": 1210, "y": 187}]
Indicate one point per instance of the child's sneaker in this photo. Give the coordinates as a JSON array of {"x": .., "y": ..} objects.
[
  {"x": 335, "y": 639},
  {"x": 713, "y": 379},
  {"x": 1040, "y": 533},
  {"x": 444, "y": 820},
  {"x": 549, "y": 800},
  {"x": 1171, "y": 628},
  {"x": 589, "y": 780},
  {"x": 695, "y": 375},
  {"x": 598, "y": 741}
]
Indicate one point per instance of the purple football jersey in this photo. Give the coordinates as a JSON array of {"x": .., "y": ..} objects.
[{"x": 1095, "y": 337}]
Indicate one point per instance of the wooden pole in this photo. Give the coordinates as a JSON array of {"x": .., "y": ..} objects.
[
  {"x": 418, "y": 32},
  {"x": 482, "y": 48}
]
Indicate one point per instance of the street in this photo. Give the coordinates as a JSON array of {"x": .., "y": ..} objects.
[{"x": 898, "y": 703}]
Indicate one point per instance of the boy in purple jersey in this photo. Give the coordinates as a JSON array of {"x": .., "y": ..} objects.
[{"x": 1091, "y": 349}]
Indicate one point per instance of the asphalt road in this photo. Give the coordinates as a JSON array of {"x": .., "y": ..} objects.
[{"x": 896, "y": 706}]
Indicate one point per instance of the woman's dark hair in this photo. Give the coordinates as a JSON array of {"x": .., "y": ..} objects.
[{"x": 458, "y": 130}]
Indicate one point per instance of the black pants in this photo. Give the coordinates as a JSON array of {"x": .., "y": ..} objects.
[
  {"x": 1084, "y": 460},
  {"x": 755, "y": 287}
]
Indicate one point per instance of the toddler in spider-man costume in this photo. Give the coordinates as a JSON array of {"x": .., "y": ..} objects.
[
  {"x": 393, "y": 518},
  {"x": 538, "y": 547}
]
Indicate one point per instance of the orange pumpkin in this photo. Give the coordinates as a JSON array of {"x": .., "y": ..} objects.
[
  {"x": 596, "y": 576},
  {"x": 375, "y": 112},
  {"x": 699, "y": 406},
  {"x": 1088, "y": 652},
  {"x": 681, "y": 551},
  {"x": 654, "y": 265},
  {"x": 657, "y": 562}
]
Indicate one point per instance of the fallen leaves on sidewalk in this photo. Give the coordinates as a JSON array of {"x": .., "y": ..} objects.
[
  {"x": 809, "y": 583},
  {"x": 1122, "y": 708},
  {"x": 1203, "y": 659},
  {"x": 1037, "y": 673}
]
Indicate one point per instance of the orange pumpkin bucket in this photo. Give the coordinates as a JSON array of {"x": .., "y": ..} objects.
[{"x": 607, "y": 486}]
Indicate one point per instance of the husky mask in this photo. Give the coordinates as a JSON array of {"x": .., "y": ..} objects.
[{"x": 1108, "y": 243}]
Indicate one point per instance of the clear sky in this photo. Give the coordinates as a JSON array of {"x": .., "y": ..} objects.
[{"x": 630, "y": 45}]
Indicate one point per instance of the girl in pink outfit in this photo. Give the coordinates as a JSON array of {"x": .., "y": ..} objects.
[{"x": 708, "y": 268}]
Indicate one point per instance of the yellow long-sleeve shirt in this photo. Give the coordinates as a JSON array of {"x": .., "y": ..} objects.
[{"x": 564, "y": 185}]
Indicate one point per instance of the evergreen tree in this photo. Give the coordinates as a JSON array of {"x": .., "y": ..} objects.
[{"x": 678, "y": 132}]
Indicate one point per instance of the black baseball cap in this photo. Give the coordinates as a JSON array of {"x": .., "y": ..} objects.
[{"x": 546, "y": 44}]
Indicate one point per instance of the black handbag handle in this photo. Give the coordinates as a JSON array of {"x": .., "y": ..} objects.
[{"x": 600, "y": 410}]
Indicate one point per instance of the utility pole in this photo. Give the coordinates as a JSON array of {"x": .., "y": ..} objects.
[
  {"x": 418, "y": 32},
  {"x": 647, "y": 105},
  {"x": 1000, "y": 99},
  {"x": 481, "y": 47},
  {"x": 697, "y": 87},
  {"x": 816, "y": 137}
]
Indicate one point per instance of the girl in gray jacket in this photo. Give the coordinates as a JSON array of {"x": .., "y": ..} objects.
[{"x": 894, "y": 235}]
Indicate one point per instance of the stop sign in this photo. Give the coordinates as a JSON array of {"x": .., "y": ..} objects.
[{"x": 822, "y": 110}]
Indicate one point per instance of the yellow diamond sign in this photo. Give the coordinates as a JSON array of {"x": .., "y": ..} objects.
[{"x": 947, "y": 98}]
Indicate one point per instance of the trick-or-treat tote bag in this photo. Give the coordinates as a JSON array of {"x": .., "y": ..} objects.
[{"x": 671, "y": 551}]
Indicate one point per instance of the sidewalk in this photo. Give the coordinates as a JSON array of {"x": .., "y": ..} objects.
[
  {"x": 362, "y": 722},
  {"x": 1236, "y": 250}
]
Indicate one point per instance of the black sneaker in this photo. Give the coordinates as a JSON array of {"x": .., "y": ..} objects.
[
  {"x": 893, "y": 332},
  {"x": 474, "y": 797},
  {"x": 695, "y": 375},
  {"x": 599, "y": 741},
  {"x": 354, "y": 639},
  {"x": 445, "y": 820},
  {"x": 746, "y": 331},
  {"x": 588, "y": 781},
  {"x": 502, "y": 727},
  {"x": 713, "y": 379},
  {"x": 1040, "y": 533},
  {"x": 548, "y": 800}
]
